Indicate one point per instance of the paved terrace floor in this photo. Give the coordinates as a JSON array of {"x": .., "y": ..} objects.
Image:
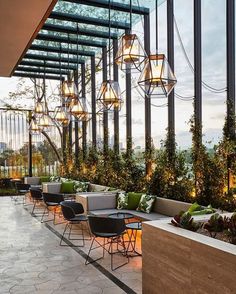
[{"x": 32, "y": 261}]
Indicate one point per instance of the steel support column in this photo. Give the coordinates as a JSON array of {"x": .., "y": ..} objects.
[
  {"x": 198, "y": 68},
  {"x": 76, "y": 124},
  {"x": 230, "y": 43},
  {"x": 147, "y": 113},
  {"x": 171, "y": 101},
  {"x": 128, "y": 109},
  {"x": 116, "y": 111},
  {"x": 105, "y": 113},
  {"x": 93, "y": 93},
  {"x": 84, "y": 123},
  {"x": 30, "y": 153}
]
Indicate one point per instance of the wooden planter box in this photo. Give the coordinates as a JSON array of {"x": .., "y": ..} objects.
[{"x": 179, "y": 261}]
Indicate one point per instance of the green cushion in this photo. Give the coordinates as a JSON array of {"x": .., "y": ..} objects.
[
  {"x": 44, "y": 179},
  {"x": 146, "y": 203},
  {"x": 67, "y": 187},
  {"x": 133, "y": 200},
  {"x": 122, "y": 201}
]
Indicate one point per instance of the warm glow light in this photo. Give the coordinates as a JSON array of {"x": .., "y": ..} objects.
[
  {"x": 156, "y": 73},
  {"x": 76, "y": 109},
  {"x": 39, "y": 108},
  {"x": 131, "y": 54},
  {"x": 44, "y": 121},
  {"x": 69, "y": 89},
  {"x": 109, "y": 95},
  {"x": 60, "y": 116}
]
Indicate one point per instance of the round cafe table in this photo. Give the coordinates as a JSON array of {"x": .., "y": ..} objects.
[
  {"x": 132, "y": 229},
  {"x": 121, "y": 215}
]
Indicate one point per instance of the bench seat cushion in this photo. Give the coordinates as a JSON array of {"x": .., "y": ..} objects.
[{"x": 137, "y": 214}]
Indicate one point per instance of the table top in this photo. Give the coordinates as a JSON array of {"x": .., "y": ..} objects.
[
  {"x": 122, "y": 215},
  {"x": 134, "y": 226}
]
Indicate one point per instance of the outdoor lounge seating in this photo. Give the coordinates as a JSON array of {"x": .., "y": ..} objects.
[
  {"x": 112, "y": 231},
  {"x": 106, "y": 204},
  {"x": 22, "y": 190}
]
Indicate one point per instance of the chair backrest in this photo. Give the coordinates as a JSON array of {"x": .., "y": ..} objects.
[
  {"x": 106, "y": 225},
  {"x": 56, "y": 198},
  {"x": 76, "y": 206},
  {"x": 67, "y": 211},
  {"x": 36, "y": 193},
  {"x": 22, "y": 187}
]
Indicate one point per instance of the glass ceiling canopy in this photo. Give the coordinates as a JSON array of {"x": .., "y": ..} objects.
[{"x": 78, "y": 29}]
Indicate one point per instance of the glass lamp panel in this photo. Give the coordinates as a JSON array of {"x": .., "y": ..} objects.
[
  {"x": 39, "y": 107},
  {"x": 130, "y": 54},
  {"x": 34, "y": 128},
  {"x": 109, "y": 96},
  {"x": 157, "y": 78},
  {"x": 79, "y": 109},
  {"x": 69, "y": 89},
  {"x": 45, "y": 122},
  {"x": 62, "y": 116}
]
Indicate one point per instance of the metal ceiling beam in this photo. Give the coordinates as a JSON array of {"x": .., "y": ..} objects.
[
  {"x": 54, "y": 49},
  {"x": 88, "y": 20},
  {"x": 114, "y": 6},
  {"x": 59, "y": 39},
  {"x": 47, "y": 64},
  {"x": 41, "y": 70},
  {"x": 53, "y": 58},
  {"x": 35, "y": 76},
  {"x": 82, "y": 31}
]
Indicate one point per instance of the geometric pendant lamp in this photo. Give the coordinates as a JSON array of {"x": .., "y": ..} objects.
[{"x": 157, "y": 78}]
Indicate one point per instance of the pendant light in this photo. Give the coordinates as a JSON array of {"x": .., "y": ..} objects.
[
  {"x": 34, "y": 128},
  {"x": 109, "y": 96},
  {"x": 78, "y": 105},
  {"x": 39, "y": 107},
  {"x": 68, "y": 88},
  {"x": 61, "y": 113},
  {"x": 157, "y": 79},
  {"x": 130, "y": 54}
]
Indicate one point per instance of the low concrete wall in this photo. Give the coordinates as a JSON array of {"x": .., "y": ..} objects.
[{"x": 180, "y": 261}]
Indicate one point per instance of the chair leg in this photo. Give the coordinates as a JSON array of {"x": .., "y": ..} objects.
[
  {"x": 43, "y": 214},
  {"x": 62, "y": 237},
  {"x": 33, "y": 206}
]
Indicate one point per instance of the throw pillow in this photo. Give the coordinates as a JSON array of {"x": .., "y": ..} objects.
[
  {"x": 194, "y": 207},
  {"x": 67, "y": 187},
  {"x": 122, "y": 201},
  {"x": 133, "y": 200},
  {"x": 54, "y": 179},
  {"x": 80, "y": 186},
  {"x": 146, "y": 203}
]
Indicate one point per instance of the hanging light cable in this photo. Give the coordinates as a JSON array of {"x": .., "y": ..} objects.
[
  {"x": 109, "y": 96},
  {"x": 61, "y": 116},
  {"x": 78, "y": 105},
  {"x": 157, "y": 79},
  {"x": 130, "y": 54},
  {"x": 69, "y": 89}
]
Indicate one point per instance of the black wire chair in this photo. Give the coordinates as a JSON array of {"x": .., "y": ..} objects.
[
  {"x": 36, "y": 196},
  {"x": 22, "y": 190},
  {"x": 51, "y": 201},
  {"x": 112, "y": 231},
  {"x": 73, "y": 214}
]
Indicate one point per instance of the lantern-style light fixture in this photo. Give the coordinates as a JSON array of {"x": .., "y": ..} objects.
[
  {"x": 39, "y": 107},
  {"x": 69, "y": 89},
  {"x": 34, "y": 128},
  {"x": 157, "y": 79},
  {"x": 79, "y": 109},
  {"x": 62, "y": 116},
  {"x": 45, "y": 122},
  {"x": 130, "y": 54},
  {"x": 109, "y": 96}
]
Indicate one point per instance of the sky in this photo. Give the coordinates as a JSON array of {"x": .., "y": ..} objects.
[{"x": 214, "y": 74}]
